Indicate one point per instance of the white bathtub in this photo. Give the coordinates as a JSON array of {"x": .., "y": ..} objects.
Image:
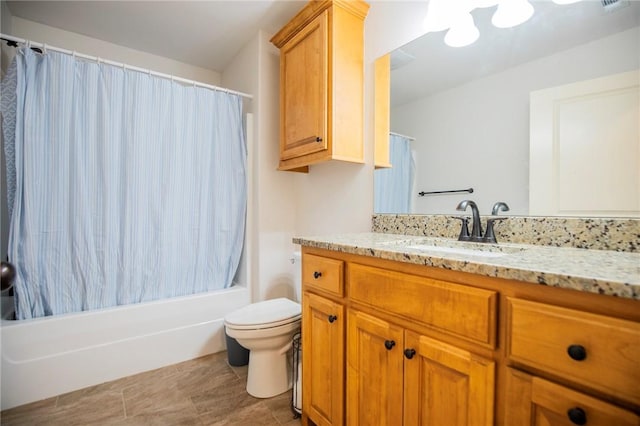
[{"x": 49, "y": 356}]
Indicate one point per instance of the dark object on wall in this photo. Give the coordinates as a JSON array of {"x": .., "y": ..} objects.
[
  {"x": 7, "y": 275},
  {"x": 452, "y": 191}
]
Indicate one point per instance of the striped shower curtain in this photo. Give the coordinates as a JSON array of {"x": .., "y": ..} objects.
[
  {"x": 123, "y": 187},
  {"x": 393, "y": 187}
]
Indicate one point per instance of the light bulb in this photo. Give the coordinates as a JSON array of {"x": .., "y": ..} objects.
[
  {"x": 485, "y": 3},
  {"x": 441, "y": 14},
  {"x": 463, "y": 32},
  {"x": 511, "y": 13}
]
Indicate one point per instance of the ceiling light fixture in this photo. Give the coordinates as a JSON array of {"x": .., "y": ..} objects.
[
  {"x": 463, "y": 31},
  {"x": 455, "y": 16},
  {"x": 511, "y": 13},
  {"x": 440, "y": 15}
]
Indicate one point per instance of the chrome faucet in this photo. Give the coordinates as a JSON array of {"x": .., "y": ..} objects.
[{"x": 476, "y": 226}]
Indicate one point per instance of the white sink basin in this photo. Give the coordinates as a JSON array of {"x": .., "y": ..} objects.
[{"x": 489, "y": 252}]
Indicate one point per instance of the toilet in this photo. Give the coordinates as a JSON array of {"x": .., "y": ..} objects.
[{"x": 266, "y": 329}]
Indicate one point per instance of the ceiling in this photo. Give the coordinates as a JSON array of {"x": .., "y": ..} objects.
[{"x": 207, "y": 34}]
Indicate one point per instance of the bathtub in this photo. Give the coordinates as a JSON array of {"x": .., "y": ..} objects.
[{"x": 49, "y": 356}]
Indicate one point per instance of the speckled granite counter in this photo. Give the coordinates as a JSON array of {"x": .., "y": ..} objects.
[{"x": 596, "y": 271}]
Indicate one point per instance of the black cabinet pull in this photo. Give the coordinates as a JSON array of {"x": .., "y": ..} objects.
[
  {"x": 409, "y": 353},
  {"x": 332, "y": 318},
  {"x": 317, "y": 275},
  {"x": 577, "y": 352},
  {"x": 389, "y": 344},
  {"x": 318, "y": 139},
  {"x": 577, "y": 416}
]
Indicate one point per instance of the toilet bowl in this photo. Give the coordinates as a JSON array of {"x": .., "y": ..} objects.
[{"x": 266, "y": 329}]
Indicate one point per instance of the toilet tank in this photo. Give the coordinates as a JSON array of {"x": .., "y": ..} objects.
[{"x": 297, "y": 275}]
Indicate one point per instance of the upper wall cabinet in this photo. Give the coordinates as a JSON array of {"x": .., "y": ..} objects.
[{"x": 321, "y": 84}]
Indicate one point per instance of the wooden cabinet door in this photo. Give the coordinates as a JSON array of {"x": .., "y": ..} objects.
[
  {"x": 532, "y": 401},
  {"x": 374, "y": 371},
  {"x": 445, "y": 385},
  {"x": 303, "y": 91},
  {"x": 322, "y": 360}
]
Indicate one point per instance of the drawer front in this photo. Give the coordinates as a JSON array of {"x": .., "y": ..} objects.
[
  {"x": 461, "y": 310},
  {"x": 553, "y": 404},
  {"x": 594, "y": 350},
  {"x": 323, "y": 273}
]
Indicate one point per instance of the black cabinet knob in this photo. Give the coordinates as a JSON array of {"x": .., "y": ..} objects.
[
  {"x": 332, "y": 318},
  {"x": 577, "y": 352},
  {"x": 409, "y": 353},
  {"x": 317, "y": 275},
  {"x": 389, "y": 344},
  {"x": 318, "y": 139},
  {"x": 577, "y": 416}
]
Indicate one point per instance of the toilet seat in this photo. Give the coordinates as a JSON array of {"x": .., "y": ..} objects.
[{"x": 262, "y": 315}]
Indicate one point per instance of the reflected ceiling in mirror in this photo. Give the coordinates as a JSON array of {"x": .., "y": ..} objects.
[
  {"x": 468, "y": 107},
  {"x": 427, "y": 65}
]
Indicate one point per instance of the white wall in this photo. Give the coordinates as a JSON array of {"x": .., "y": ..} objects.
[
  {"x": 477, "y": 135},
  {"x": 272, "y": 215},
  {"x": 338, "y": 197},
  {"x": 72, "y": 41}
]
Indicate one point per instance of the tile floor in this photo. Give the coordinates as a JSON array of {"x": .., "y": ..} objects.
[{"x": 202, "y": 392}]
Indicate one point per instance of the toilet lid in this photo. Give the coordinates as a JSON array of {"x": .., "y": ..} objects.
[{"x": 265, "y": 314}]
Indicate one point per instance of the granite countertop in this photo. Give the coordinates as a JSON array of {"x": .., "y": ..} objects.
[{"x": 595, "y": 271}]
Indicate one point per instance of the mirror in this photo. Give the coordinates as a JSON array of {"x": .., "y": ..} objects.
[{"x": 468, "y": 108}]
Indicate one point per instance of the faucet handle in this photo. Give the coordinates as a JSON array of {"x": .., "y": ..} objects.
[
  {"x": 489, "y": 235},
  {"x": 464, "y": 230},
  {"x": 500, "y": 205}
]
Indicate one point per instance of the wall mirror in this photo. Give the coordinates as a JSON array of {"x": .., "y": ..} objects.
[{"x": 470, "y": 114}]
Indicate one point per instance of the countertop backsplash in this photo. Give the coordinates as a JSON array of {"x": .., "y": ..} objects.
[{"x": 616, "y": 234}]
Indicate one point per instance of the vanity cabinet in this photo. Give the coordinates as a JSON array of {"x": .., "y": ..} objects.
[
  {"x": 533, "y": 401},
  {"x": 594, "y": 352},
  {"x": 395, "y": 370},
  {"x": 396, "y": 376},
  {"x": 323, "y": 359},
  {"x": 388, "y": 342},
  {"x": 321, "y": 84},
  {"x": 323, "y": 340}
]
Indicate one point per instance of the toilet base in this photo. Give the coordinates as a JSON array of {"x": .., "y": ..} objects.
[{"x": 269, "y": 373}]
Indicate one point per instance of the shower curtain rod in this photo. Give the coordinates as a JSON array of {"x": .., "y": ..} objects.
[
  {"x": 14, "y": 40},
  {"x": 403, "y": 136}
]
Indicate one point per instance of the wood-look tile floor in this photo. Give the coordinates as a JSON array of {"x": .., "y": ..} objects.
[{"x": 202, "y": 392}]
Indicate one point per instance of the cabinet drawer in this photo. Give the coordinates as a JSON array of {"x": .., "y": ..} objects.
[
  {"x": 531, "y": 401},
  {"x": 464, "y": 311},
  {"x": 556, "y": 405},
  {"x": 594, "y": 350},
  {"x": 323, "y": 273}
]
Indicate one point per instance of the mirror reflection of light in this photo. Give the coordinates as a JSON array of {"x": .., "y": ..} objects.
[
  {"x": 441, "y": 13},
  {"x": 511, "y": 13},
  {"x": 455, "y": 15},
  {"x": 463, "y": 31}
]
